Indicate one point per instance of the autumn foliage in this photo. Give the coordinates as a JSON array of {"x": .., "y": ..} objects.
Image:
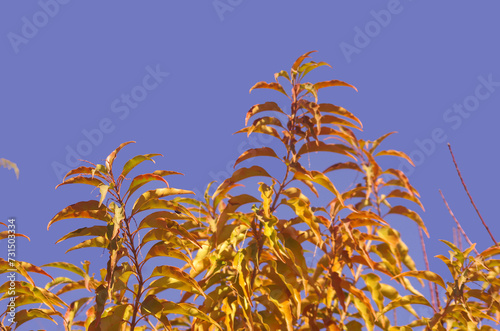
[{"x": 291, "y": 249}]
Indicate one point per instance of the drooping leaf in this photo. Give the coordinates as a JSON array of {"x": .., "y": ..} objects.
[
  {"x": 156, "y": 194},
  {"x": 406, "y": 300},
  {"x": 83, "y": 209},
  {"x": 66, "y": 266},
  {"x": 239, "y": 175},
  {"x": 268, "y": 106},
  {"x": 82, "y": 180},
  {"x": 424, "y": 274},
  {"x": 402, "y": 210},
  {"x": 272, "y": 86},
  {"x": 333, "y": 82},
  {"x": 396, "y": 153},
  {"x": 136, "y": 160},
  {"x": 94, "y": 242},
  {"x": 254, "y": 152},
  {"x": 178, "y": 274},
  {"x": 98, "y": 230}
]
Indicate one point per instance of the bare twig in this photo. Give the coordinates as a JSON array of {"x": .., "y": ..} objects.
[
  {"x": 470, "y": 197},
  {"x": 433, "y": 294},
  {"x": 459, "y": 227}
]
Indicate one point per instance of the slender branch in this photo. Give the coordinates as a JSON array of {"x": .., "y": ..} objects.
[
  {"x": 434, "y": 295},
  {"x": 470, "y": 197},
  {"x": 459, "y": 227}
]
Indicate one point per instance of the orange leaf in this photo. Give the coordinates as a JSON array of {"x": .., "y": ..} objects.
[
  {"x": 254, "y": 152},
  {"x": 272, "y": 86},
  {"x": 268, "y": 106}
]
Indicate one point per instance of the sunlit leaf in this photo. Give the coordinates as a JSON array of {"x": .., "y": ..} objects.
[
  {"x": 178, "y": 274},
  {"x": 402, "y": 210},
  {"x": 98, "y": 230},
  {"x": 82, "y": 180},
  {"x": 424, "y": 274},
  {"x": 83, "y": 209},
  {"x": 268, "y": 106},
  {"x": 111, "y": 157},
  {"x": 254, "y": 152},
  {"x": 333, "y": 82},
  {"x": 272, "y": 86},
  {"x": 396, "y": 153}
]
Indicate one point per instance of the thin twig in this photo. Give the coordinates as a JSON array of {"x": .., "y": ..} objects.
[
  {"x": 458, "y": 224},
  {"x": 470, "y": 197},
  {"x": 433, "y": 295}
]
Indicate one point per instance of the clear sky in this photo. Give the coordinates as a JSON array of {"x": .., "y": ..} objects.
[{"x": 81, "y": 77}]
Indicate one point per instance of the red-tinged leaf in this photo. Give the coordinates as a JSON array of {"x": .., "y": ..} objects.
[
  {"x": 24, "y": 315},
  {"x": 402, "y": 210},
  {"x": 155, "y": 220},
  {"x": 264, "y": 129},
  {"x": 178, "y": 274},
  {"x": 82, "y": 180},
  {"x": 329, "y": 108},
  {"x": 396, "y": 153},
  {"x": 240, "y": 175},
  {"x": 272, "y": 86},
  {"x": 404, "y": 180},
  {"x": 320, "y": 146},
  {"x": 405, "y": 195},
  {"x": 66, "y": 266},
  {"x": 172, "y": 226},
  {"x": 162, "y": 249},
  {"x": 321, "y": 179},
  {"x": 25, "y": 267},
  {"x": 424, "y": 274},
  {"x": 141, "y": 180},
  {"x": 377, "y": 142},
  {"x": 336, "y": 282},
  {"x": 334, "y": 120},
  {"x": 268, "y": 106},
  {"x": 84, "y": 170},
  {"x": 343, "y": 165},
  {"x": 83, "y": 209},
  {"x": 333, "y": 82},
  {"x": 156, "y": 194},
  {"x": 111, "y": 157},
  {"x": 98, "y": 230},
  {"x": 10, "y": 165},
  {"x": 298, "y": 62},
  {"x": 6, "y": 234},
  {"x": 490, "y": 251},
  {"x": 254, "y": 152},
  {"x": 94, "y": 242}
]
